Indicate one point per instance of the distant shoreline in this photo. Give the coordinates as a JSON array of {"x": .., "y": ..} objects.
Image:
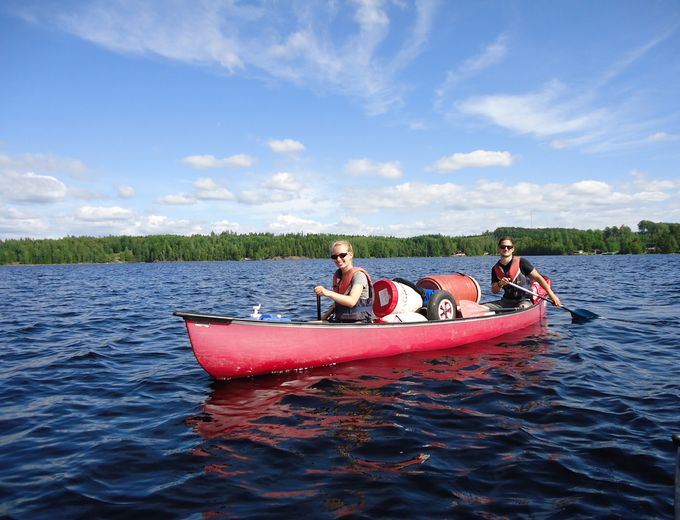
[{"x": 651, "y": 238}]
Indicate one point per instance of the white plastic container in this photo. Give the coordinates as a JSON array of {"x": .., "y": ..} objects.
[
  {"x": 394, "y": 298},
  {"x": 402, "y": 317}
]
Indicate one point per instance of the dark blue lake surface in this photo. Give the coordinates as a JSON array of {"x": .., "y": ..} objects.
[{"x": 106, "y": 413}]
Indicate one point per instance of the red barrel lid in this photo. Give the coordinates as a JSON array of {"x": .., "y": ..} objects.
[{"x": 385, "y": 297}]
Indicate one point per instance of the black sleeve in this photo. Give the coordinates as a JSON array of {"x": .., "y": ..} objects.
[{"x": 525, "y": 266}]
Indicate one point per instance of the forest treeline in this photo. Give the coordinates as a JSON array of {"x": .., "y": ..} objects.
[{"x": 651, "y": 237}]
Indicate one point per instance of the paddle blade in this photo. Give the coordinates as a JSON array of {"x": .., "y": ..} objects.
[{"x": 582, "y": 315}]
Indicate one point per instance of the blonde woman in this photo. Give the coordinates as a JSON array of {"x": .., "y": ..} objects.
[{"x": 352, "y": 292}]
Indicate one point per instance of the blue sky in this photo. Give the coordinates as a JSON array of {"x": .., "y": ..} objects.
[{"x": 394, "y": 118}]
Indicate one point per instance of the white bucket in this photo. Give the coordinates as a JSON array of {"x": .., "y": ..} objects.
[
  {"x": 402, "y": 317},
  {"x": 394, "y": 298}
]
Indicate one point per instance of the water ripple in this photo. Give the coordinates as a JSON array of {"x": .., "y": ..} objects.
[{"x": 106, "y": 413}]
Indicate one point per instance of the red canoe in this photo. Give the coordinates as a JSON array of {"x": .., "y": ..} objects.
[{"x": 229, "y": 347}]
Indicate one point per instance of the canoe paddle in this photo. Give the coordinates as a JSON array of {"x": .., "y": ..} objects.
[
  {"x": 318, "y": 307},
  {"x": 577, "y": 315}
]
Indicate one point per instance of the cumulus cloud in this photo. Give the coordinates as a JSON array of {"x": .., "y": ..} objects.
[
  {"x": 210, "y": 161},
  {"x": 121, "y": 221},
  {"x": 292, "y": 224},
  {"x": 207, "y": 189},
  {"x": 180, "y": 199},
  {"x": 258, "y": 198},
  {"x": 160, "y": 225},
  {"x": 102, "y": 213},
  {"x": 126, "y": 192},
  {"x": 585, "y": 195},
  {"x": 286, "y": 146},
  {"x": 476, "y": 159},
  {"x": 45, "y": 163},
  {"x": 643, "y": 181},
  {"x": 225, "y": 225},
  {"x": 279, "y": 188},
  {"x": 283, "y": 181},
  {"x": 15, "y": 223},
  {"x": 31, "y": 187},
  {"x": 366, "y": 167}
]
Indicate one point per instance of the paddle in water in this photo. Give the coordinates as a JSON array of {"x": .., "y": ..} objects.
[{"x": 577, "y": 315}]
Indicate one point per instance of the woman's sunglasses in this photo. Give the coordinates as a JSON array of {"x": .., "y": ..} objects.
[
  {"x": 341, "y": 255},
  {"x": 505, "y": 247}
]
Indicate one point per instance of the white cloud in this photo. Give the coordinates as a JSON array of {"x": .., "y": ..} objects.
[
  {"x": 283, "y": 181},
  {"x": 205, "y": 188},
  {"x": 476, "y": 159},
  {"x": 179, "y": 199},
  {"x": 224, "y": 225},
  {"x": 663, "y": 136},
  {"x": 586, "y": 195},
  {"x": 286, "y": 146},
  {"x": 492, "y": 54},
  {"x": 18, "y": 224},
  {"x": 363, "y": 60},
  {"x": 544, "y": 113},
  {"x": 210, "y": 161},
  {"x": 30, "y": 187},
  {"x": 45, "y": 163},
  {"x": 258, "y": 198},
  {"x": 359, "y": 167},
  {"x": 160, "y": 225},
  {"x": 119, "y": 221},
  {"x": 292, "y": 224},
  {"x": 643, "y": 181},
  {"x": 126, "y": 192},
  {"x": 651, "y": 196},
  {"x": 101, "y": 213},
  {"x": 187, "y": 32},
  {"x": 407, "y": 196},
  {"x": 208, "y": 189},
  {"x": 85, "y": 194}
]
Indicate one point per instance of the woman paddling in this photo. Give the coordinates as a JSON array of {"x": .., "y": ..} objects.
[{"x": 352, "y": 292}]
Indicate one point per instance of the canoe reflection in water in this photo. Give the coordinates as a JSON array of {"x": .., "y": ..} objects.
[{"x": 372, "y": 417}]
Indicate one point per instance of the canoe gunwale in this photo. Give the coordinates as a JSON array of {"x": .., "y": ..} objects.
[{"x": 199, "y": 317}]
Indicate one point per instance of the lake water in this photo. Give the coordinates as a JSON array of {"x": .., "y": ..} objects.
[{"x": 105, "y": 412}]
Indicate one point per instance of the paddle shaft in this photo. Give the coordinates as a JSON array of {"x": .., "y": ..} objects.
[
  {"x": 578, "y": 315},
  {"x": 318, "y": 307},
  {"x": 531, "y": 292}
]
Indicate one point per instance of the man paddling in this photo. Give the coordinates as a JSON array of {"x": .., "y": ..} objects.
[{"x": 516, "y": 270}]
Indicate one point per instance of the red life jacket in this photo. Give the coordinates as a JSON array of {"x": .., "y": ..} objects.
[
  {"x": 516, "y": 276},
  {"x": 363, "y": 310},
  {"x": 342, "y": 281},
  {"x": 514, "y": 269}
]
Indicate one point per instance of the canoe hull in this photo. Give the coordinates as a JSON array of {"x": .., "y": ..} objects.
[{"x": 233, "y": 347}]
